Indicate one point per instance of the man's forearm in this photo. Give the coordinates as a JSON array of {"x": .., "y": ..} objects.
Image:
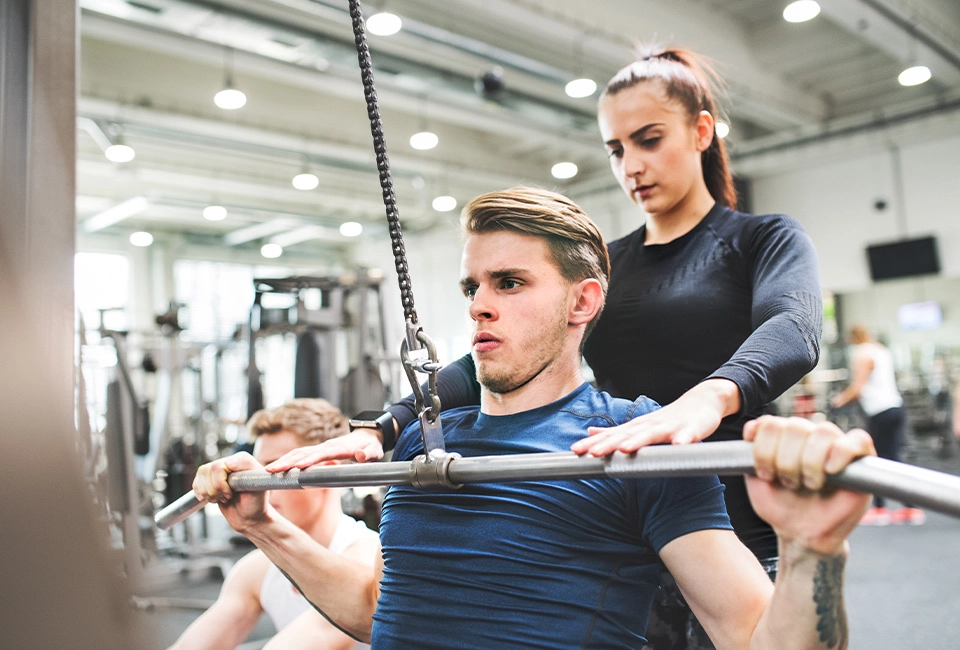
[
  {"x": 343, "y": 590},
  {"x": 807, "y": 610}
]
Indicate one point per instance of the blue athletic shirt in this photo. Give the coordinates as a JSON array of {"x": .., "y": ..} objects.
[{"x": 537, "y": 564}]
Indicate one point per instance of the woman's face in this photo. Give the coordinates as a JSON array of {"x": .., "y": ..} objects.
[{"x": 654, "y": 146}]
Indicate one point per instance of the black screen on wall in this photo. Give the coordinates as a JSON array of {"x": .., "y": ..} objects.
[{"x": 903, "y": 258}]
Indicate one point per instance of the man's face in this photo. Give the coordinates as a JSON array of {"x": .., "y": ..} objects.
[
  {"x": 518, "y": 303},
  {"x": 302, "y": 507}
]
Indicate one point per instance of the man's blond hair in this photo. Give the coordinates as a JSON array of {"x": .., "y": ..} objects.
[
  {"x": 574, "y": 241},
  {"x": 312, "y": 420}
]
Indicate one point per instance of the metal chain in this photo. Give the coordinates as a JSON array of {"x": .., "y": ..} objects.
[
  {"x": 383, "y": 166},
  {"x": 430, "y": 427}
]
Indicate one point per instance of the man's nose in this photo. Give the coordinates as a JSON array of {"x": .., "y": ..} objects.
[{"x": 481, "y": 307}]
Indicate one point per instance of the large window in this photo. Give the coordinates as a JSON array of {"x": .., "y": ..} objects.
[{"x": 102, "y": 281}]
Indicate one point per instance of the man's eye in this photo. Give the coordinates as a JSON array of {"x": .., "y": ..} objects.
[
  {"x": 510, "y": 284},
  {"x": 469, "y": 292}
]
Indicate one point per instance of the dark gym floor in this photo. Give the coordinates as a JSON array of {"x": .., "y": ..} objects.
[{"x": 903, "y": 582}]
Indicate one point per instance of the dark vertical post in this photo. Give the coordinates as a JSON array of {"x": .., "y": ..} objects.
[{"x": 61, "y": 590}]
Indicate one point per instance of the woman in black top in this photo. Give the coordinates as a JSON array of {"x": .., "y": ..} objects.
[{"x": 711, "y": 312}]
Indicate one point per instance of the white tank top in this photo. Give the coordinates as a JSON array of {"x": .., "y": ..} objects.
[
  {"x": 880, "y": 392},
  {"x": 281, "y": 600}
]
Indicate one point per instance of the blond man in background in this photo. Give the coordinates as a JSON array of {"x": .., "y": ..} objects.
[{"x": 255, "y": 585}]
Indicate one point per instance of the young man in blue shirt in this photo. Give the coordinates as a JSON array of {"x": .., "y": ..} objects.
[{"x": 574, "y": 563}]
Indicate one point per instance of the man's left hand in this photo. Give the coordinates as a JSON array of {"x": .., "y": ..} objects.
[{"x": 793, "y": 458}]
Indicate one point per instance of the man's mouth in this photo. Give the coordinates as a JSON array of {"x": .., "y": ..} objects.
[{"x": 484, "y": 342}]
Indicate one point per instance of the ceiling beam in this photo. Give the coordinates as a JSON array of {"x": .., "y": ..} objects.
[{"x": 116, "y": 214}]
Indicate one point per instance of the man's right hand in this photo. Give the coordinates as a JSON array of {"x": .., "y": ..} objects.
[
  {"x": 241, "y": 509},
  {"x": 361, "y": 445}
]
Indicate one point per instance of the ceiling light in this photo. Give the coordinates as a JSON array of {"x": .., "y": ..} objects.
[
  {"x": 214, "y": 213},
  {"x": 722, "y": 129},
  {"x": 444, "y": 203},
  {"x": 564, "y": 170},
  {"x": 141, "y": 239},
  {"x": 914, "y": 76},
  {"x": 384, "y": 24},
  {"x": 305, "y": 181},
  {"x": 120, "y": 153},
  {"x": 801, "y": 11},
  {"x": 230, "y": 99},
  {"x": 424, "y": 140},
  {"x": 351, "y": 229},
  {"x": 581, "y": 87},
  {"x": 271, "y": 251}
]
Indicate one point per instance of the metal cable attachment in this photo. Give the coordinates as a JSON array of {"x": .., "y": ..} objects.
[
  {"x": 433, "y": 472},
  {"x": 383, "y": 164},
  {"x": 430, "y": 427}
]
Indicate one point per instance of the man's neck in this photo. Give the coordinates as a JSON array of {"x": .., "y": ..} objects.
[{"x": 553, "y": 383}]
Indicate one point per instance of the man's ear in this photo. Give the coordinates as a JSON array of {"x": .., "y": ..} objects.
[{"x": 587, "y": 300}]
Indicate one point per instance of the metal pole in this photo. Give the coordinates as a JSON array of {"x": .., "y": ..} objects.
[{"x": 916, "y": 485}]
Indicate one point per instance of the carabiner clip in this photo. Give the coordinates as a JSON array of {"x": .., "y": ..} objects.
[{"x": 431, "y": 430}]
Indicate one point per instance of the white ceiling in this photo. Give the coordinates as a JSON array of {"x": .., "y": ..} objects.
[{"x": 149, "y": 70}]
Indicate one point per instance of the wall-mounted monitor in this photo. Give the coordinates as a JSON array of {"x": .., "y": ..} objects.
[
  {"x": 904, "y": 258},
  {"x": 920, "y": 315}
]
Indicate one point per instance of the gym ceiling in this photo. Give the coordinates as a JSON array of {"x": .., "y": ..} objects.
[{"x": 487, "y": 77}]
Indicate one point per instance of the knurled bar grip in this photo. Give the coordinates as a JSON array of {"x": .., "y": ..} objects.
[{"x": 906, "y": 483}]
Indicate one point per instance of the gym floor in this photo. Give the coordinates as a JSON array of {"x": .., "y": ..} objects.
[{"x": 903, "y": 582}]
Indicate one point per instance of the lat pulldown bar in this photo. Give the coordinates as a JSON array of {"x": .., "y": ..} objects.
[{"x": 906, "y": 483}]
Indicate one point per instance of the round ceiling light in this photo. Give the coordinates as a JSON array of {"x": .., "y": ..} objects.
[
  {"x": 141, "y": 239},
  {"x": 351, "y": 229},
  {"x": 563, "y": 170},
  {"x": 271, "y": 251},
  {"x": 214, "y": 213},
  {"x": 230, "y": 99},
  {"x": 914, "y": 76},
  {"x": 424, "y": 140},
  {"x": 722, "y": 129},
  {"x": 581, "y": 87},
  {"x": 119, "y": 153},
  {"x": 801, "y": 11},
  {"x": 384, "y": 24},
  {"x": 305, "y": 181},
  {"x": 444, "y": 203}
]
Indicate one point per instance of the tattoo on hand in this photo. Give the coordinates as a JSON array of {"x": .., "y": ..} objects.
[{"x": 828, "y": 595}]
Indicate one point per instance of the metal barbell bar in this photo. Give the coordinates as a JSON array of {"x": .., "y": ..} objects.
[{"x": 906, "y": 483}]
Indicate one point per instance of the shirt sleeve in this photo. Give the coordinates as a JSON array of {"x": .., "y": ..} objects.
[
  {"x": 786, "y": 314},
  {"x": 456, "y": 384},
  {"x": 684, "y": 506}
]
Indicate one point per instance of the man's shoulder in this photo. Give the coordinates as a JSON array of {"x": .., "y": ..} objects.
[
  {"x": 592, "y": 402},
  {"x": 248, "y": 573}
]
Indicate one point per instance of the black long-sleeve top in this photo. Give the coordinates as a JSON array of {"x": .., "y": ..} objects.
[{"x": 738, "y": 297}]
